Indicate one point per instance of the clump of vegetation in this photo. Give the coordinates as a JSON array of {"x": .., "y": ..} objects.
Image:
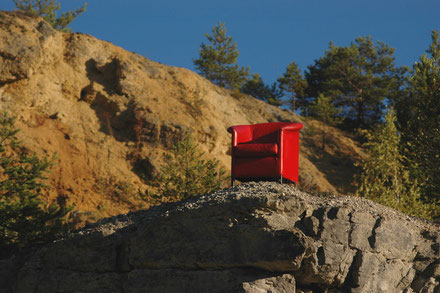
[
  {"x": 48, "y": 10},
  {"x": 186, "y": 173},
  {"x": 117, "y": 189},
  {"x": 24, "y": 217},
  {"x": 384, "y": 177}
]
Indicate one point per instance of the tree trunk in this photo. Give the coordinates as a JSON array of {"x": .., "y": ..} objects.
[
  {"x": 293, "y": 102},
  {"x": 360, "y": 114}
]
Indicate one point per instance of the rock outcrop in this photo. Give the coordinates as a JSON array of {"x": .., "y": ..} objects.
[
  {"x": 256, "y": 237},
  {"x": 110, "y": 115}
]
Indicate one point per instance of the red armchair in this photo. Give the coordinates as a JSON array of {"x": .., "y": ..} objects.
[{"x": 265, "y": 151}]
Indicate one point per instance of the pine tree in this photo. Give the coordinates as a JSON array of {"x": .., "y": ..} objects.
[
  {"x": 358, "y": 78},
  {"x": 275, "y": 95},
  {"x": 218, "y": 60},
  {"x": 256, "y": 88},
  {"x": 24, "y": 218},
  {"x": 384, "y": 177},
  {"x": 48, "y": 9},
  {"x": 419, "y": 118},
  {"x": 186, "y": 174},
  {"x": 293, "y": 82},
  {"x": 323, "y": 109}
]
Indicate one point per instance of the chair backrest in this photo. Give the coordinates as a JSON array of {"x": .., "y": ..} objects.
[
  {"x": 266, "y": 132},
  {"x": 259, "y": 133}
]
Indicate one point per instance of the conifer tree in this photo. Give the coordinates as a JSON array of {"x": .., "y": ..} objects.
[
  {"x": 218, "y": 60},
  {"x": 324, "y": 110},
  {"x": 358, "y": 78},
  {"x": 275, "y": 95},
  {"x": 186, "y": 173},
  {"x": 48, "y": 9},
  {"x": 256, "y": 88},
  {"x": 293, "y": 82},
  {"x": 384, "y": 177},
  {"x": 419, "y": 118},
  {"x": 24, "y": 218}
]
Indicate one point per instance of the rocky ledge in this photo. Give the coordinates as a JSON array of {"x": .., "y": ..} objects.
[{"x": 256, "y": 237}]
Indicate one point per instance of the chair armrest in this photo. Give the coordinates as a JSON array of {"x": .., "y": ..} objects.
[
  {"x": 240, "y": 134},
  {"x": 292, "y": 127},
  {"x": 287, "y": 132}
]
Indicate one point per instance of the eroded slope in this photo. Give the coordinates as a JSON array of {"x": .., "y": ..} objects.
[{"x": 108, "y": 112}]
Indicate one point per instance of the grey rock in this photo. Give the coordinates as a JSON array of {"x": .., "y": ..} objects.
[{"x": 256, "y": 237}]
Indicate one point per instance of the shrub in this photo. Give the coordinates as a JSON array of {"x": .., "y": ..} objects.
[
  {"x": 384, "y": 177},
  {"x": 186, "y": 174},
  {"x": 24, "y": 219}
]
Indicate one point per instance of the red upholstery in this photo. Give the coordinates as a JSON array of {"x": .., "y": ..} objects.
[
  {"x": 256, "y": 149},
  {"x": 265, "y": 151}
]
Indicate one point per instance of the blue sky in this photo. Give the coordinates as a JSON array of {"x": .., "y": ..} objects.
[{"x": 269, "y": 34}]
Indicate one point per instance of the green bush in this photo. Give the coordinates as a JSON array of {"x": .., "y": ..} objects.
[
  {"x": 384, "y": 177},
  {"x": 186, "y": 174},
  {"x": 24, "y": 218}
]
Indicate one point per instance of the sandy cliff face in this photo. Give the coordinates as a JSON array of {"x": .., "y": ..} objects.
[{"x": 107, "y": 112}]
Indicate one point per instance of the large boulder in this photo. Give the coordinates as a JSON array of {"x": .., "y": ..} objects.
[{"x": 256, "y": 237}]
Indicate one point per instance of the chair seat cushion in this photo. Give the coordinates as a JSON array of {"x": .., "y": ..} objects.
[{"x": 256, "y": 149}]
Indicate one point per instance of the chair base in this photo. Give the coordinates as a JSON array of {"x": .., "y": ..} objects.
[{"x": 280, "y": 179}]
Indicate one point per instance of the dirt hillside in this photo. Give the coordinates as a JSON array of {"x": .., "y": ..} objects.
[{"x": 101, "y": 108}]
